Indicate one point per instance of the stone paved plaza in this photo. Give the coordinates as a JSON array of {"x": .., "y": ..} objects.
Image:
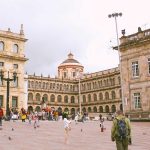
[{"x": 50, "y": 136}]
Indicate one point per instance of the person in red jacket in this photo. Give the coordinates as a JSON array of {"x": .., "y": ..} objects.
[{"x": 1, "y": 115}]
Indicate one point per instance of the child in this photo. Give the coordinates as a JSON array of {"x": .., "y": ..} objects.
[
  {"x": 67, "y": 128},
  {"x": 36, "y": 120}
]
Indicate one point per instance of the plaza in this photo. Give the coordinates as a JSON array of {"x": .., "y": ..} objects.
[{"x": 83, "y": 136}]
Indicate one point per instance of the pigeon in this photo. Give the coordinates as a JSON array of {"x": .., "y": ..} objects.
[
  {"x": 9, "y": 138},
  {"x": 12, "y": 129}
]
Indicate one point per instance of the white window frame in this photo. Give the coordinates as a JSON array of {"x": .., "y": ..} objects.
[
  {"x": 15, "y": 48},
  {"x": 16, "y": 102},
  {"x": 15, "y": 66},
  {"x": 1, "y": 46},
  {"x": 137, "y": 100},
  {"x": 135, "y": 69}
]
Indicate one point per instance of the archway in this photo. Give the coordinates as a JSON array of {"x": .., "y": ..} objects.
[
  {"x": 107, "y": 109},
  {"x": 38, "y": 109},
  {"x": 30, "y": 109},
  {"x": 113, "y": 108}
]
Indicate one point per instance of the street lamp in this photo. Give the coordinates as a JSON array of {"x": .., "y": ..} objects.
[
  {"x": 115, "y": 15},
  {"x": 8, "y": 80},
  {"x": 79, "y": 97}
]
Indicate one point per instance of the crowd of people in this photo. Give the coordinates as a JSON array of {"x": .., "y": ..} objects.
[{"x": 120, "y": 131}]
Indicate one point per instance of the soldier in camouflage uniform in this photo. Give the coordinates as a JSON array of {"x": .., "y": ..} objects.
[{"x": 121, "y": 143}]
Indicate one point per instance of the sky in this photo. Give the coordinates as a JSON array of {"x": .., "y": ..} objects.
[{"x": 54, "y": 28}]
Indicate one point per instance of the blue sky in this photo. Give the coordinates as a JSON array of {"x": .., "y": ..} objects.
[{"x": 56, "y": 27}]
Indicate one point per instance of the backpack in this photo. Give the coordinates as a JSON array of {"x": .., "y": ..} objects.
[{"x": 122, "y": 128}]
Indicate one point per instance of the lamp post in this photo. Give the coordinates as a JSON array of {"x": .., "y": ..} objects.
[
  {"x": 79, "y": 97},
  {"x": 115, "y": 15},
  {"x": 8, "y": 80}
]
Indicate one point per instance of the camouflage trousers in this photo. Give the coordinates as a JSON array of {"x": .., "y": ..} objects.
[{"x": 122, "y": 144}]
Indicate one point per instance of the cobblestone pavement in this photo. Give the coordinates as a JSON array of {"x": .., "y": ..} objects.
[{"x": 50, "y": 136}]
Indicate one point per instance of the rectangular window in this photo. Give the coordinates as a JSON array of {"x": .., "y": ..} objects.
[
  {"x": 73, "y": 74},
  {"x": 1, "y": 64},
  {"x": 149, "y": 65},
  {"x": 1, "y": 100},
  {"x": 15, "y": 83},
  {"x": 14, "y": 102},
  {"x": 137, "y": 100},
  {"x": 65, "y": 74},
  {"x": 15, "y": 66},
  {"x": 135, "y": 69}
]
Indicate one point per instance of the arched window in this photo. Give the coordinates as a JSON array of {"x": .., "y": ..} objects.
[
  {"x": 89, "y": 97},
  {"x": 36, "y": 84},
  {"x": 38, "y": 109},
  {"x": 1, "y": 45},
  {"x": 30, "y": 109},
  {"x": 100, "y": 109},
  {"x": 72, "y": 111},
  {"x": 100, "y": 96},
  {"x": 72, "y": 99},
  {"x": 59, "y": 109},
  {"x": 59, "y": 98},
  {"x": 43, "y": 85},
  {"x": 113, "y": 94},
  {"x": 47, "y": 85},
  {"x": 38, "y": 97},
  {"x": 39, "y": 85},
  {"x": 45, "y": 97},
  {"x": 84, "y": 109},
  {"x": 66, "y": 99},
  {"x": 52, "y": 98},
  {"x": 32, "y": 84},
  {"x": 30, "y": 97},
  {"x": 66, "y": 110},
  {"x": 89, "y": 109},
  {"x": 107, "y": 96},
  {"x": 95, "y": 109},
  {"x": 84, "y": 99},
  {"x": 95, "y": 97},
  {"x": 113, "y": 108},
  {"x": 15, "y": 48},
  {"x": 107, "y": 109}
]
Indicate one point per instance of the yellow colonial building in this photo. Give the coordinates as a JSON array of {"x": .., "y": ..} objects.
[
  {"x": 12, "y": 59},
  {"x": 99, "y": 92}
]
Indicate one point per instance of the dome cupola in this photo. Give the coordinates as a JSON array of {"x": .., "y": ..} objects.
[{"x": 69, "y": 68}]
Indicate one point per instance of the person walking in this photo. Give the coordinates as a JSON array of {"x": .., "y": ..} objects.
[
  {"x": 67, "y": 128},
  {"x": 1, "y": 116},
  {"x": 36, "y": 120},
  {"x": 121, "y": 131}
]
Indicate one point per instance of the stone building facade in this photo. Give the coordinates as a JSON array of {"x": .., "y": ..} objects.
[
  {"x": 99, "y": 92},
  {"x": 12, "y": 59},
  {"x": 135, "y": 72}
]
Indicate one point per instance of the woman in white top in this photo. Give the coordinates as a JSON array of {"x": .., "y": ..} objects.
[{"x": 67, "y": 128}]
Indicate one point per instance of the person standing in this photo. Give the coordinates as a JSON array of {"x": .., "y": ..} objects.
[
  {"x": 121, "y": 131},
  {"x": 67, "y": 128},
  {"x": 1, "y": 116}
]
